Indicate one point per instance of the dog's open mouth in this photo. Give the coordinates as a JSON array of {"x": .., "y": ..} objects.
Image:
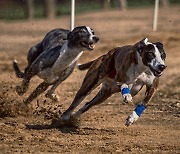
[
  {"x": 156, "y": 73},
  {"x": 88, "y": 45}
]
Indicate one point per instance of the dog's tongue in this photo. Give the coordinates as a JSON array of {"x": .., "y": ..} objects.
[
  {"x": 158, "y": 73},
  {"x": 91, "y": 46}
]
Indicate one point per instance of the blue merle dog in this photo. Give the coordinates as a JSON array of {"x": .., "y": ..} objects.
[{"x": 54, "y": 59}]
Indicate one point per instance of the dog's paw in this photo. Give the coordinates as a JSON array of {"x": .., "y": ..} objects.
[
  {"x": 127, "y": 98},
  {"x": 69, "y": 121},
  {"x": 53, "y": 97},
  {"x": 135, "y": 114},
  {"x": 19, "y": 90},
  {"x": 131, "y": 118}
]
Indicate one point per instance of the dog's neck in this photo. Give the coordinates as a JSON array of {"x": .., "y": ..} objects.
[
  {"x": 68, "y": 56},
  {"x": 73, "y": 46},
  {"x": 136, "y": 68},
  {"x": 139, "y": 65},
  {"x": 70, "y": 45}
]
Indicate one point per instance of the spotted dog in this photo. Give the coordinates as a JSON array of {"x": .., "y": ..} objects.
[
  {"x": 123, "y": 69},
  {"x": 54, "y": 59}
]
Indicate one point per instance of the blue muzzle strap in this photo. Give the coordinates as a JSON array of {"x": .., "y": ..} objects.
[{"x": 139, "y": 109}]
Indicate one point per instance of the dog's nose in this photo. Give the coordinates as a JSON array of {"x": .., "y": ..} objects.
[
  {"x": 96, "y": 39},
  {"x": 161, "y": 67}
]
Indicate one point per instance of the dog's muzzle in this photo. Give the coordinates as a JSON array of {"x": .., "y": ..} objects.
[
  {"x": 90, "y": 45},
  {"x": 157, "y": 72}
]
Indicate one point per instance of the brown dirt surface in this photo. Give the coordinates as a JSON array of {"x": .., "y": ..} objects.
[{"x": 101, "y": 130}]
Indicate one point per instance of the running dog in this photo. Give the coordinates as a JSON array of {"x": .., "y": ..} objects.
[
  {"x": 123, "y": 69},
  {"x": 54, "y": 59}
]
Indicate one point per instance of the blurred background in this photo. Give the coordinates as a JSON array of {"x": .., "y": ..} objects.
[
  {"x": 24, "y": 23},
  {"x": 29, "y": 9}
]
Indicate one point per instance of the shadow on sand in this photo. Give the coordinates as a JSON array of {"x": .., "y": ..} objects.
[{"x": 65, "y": 127}]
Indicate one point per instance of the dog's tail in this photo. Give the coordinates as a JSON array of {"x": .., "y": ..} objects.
[
  {"x": 85, "y": 65},
  {"x": 18, "y": 72}
]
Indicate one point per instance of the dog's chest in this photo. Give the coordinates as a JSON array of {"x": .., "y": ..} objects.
[
  {"x": 66, "y": 58},
  {"x": 50, "y": 77},
  {"x": 142, "y": 74},
  {"x": 146, "y": 77},
  {"x": 133, "y": 72},
  {"x": 64, "y": 64}
]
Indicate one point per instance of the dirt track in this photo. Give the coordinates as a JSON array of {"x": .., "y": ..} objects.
[{"x": 102, "y": 130}]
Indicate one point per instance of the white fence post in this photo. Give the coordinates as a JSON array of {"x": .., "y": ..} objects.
[
  {"x": 72, "y": 14},
  {"x": 155, "y": 20}
]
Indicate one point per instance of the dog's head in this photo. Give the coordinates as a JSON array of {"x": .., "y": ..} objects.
[
  {"x": 152, "y": 55},
  {"x": 83, "y": 37}
]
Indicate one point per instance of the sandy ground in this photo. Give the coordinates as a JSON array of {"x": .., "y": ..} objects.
[{"x": 102, "y": 129}]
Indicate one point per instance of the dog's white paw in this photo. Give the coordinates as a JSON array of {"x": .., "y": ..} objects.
[
  {"x": 53, "y": 97},
  {"x": 131, "y": 118},
  {"x": 127, "y": 98},
  {"x": 135, "y": 114}
]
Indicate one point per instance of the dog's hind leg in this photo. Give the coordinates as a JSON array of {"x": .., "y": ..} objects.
[
  {"x": 23, "y": 88},
  {"x": 40, "y": 89},
  {"x": 94, "y": 77},
  {"x": 150, "y": 90},
  {"x": 25, "y": 83},
  {"x": 105, "y": 92},
  {"x": 33, "y": 53},
  {"x": 86, "y": 88},
  {"x": 18, "y": 72}
]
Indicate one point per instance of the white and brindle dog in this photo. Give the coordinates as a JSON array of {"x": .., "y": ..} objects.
[
  {"x": 123, "y": 69},
  {"x": 54, "y": 59}
]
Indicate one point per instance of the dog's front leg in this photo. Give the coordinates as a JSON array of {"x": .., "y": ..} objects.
[
  {"x": 120, "y": 81},
  {"x": 125, "y": 91},
  {"x": 66, "y": 73},
  {"x": 50, "y": 94},
  {"x": 150, "y": 90},
  {"x": 105, "y": 92}
]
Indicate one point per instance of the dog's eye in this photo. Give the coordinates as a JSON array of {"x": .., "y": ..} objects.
[
  {"x": 92, "y": 31},
  {"x": 163, "y": 56},
  {"x": 150, "y": 54}
]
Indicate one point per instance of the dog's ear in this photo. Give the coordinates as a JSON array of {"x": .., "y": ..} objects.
[
  {"x": 141, "y": 44},
  {"x": 69, "y": 36},
  {"x": 158, "y": 44}
]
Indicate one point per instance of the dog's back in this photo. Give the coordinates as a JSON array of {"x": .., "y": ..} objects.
[
  {"x": 55, "y": 37},
  {"x": 106, "y": 63}
]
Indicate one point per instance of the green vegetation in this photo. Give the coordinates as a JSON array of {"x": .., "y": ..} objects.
[
  {"x": 64, "y": 8},
  {"x": 12, "y": 13},
  {"x": 17, "y": 12},
  {"x": 140, "y": 3}
]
